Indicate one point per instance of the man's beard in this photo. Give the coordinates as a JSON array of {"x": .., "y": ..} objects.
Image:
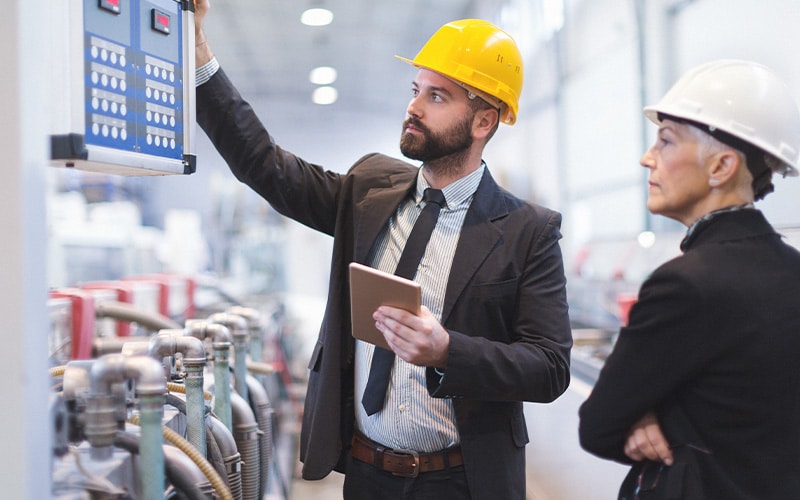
[{"x": 446, "y": 150}]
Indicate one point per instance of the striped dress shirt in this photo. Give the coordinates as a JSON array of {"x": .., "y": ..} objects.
[{"x": 411, "y": 418}]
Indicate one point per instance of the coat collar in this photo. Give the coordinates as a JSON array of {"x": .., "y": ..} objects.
[{"x": 727, "y": 225}]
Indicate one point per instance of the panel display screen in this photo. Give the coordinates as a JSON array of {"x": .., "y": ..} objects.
[
  {"x": 134, "y": 78},
  {"x": 110, "y": 5},
  {"x": 160, "y": 21}
]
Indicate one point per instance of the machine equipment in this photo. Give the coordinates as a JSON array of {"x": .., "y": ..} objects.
[{"x": 124, "y": 84}]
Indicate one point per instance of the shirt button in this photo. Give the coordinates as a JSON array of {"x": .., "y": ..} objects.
[{"x": 402, "y": 407}]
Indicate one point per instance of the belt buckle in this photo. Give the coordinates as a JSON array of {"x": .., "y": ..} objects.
[{"x": 406, "y": 453}]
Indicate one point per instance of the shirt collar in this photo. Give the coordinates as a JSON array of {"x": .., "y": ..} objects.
[
  {"x": 456, "y": 192},
  {"x": 707, "y": 217}
]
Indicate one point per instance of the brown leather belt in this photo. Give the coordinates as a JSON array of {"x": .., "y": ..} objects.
[{"x": 403, "y": 462}]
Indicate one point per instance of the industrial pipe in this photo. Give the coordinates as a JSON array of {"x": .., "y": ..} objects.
[
  {"x": 265, "y": 416},
  {"x": 253, "y": 319},
  {"x": 220, "y": 337},
  {"x": 172, "y": 342},
  {"x": 246, "y": 434},
  {"x": 240, "y": 331},
  {"x": 177, "y": 440},
  {"x": 127, "y": 312},
  {"x": 101, "y": 425},
  {"x": 229, "y": 452},
  {"x": 179, "y": 470}
]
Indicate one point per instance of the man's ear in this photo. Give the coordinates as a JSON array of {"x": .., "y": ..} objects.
[{"x": 484, "y": 122}]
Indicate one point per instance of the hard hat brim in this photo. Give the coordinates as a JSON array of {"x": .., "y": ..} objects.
[{"x": 507, "y": 115}]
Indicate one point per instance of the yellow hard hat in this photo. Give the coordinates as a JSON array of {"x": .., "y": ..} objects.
[{"x": 479, "y": 56}]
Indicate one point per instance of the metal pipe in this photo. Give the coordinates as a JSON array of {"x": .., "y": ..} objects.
[
  {"x": 232, "y": 459},
  {"x": 220, "y": 487},
  {"x": 179, "y": 469},
  {"x": 240, "y": 331},
  {"x": 253, "y": 319},
  {"x": 101, "y": 425},
  {"x": 112, "y": 345},
  {"x": 185, "y": 474},
  {"x": 264, "y": 417},
  {"x": 246, "y": 434},
  {"x": 221, "y": 345},
  {"x": 127, "y": 312},
  {"x": 169, "y": 343}
]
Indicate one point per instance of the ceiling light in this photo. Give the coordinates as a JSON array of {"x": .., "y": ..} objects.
[
  {"x": 322, "y": 75},
  {"x": 324, "y": 95},
  {"x": 553, "y": 15},
  {"x": 316, "y": 17}
]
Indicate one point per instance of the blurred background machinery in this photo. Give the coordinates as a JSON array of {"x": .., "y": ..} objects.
[{"x": 126, "y": 264}]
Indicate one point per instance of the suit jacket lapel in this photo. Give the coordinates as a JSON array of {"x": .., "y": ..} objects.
[
  {"x": 479, "y": 229},
  {"x": 375, "y": 209},
  {"x": 478, "y": 236}
]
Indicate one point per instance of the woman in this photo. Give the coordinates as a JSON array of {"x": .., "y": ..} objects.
[{"x": 701, "y": 393}]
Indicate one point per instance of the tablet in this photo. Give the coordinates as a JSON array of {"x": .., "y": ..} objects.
[{"x": 370, "y": 289}]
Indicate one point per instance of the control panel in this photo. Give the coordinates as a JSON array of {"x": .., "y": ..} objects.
[{"x": 125, "y": 99}]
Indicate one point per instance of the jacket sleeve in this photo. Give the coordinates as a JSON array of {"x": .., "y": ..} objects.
[
  {"x": 510, "y": 338},
  {"x": 293, "y": 187},
  {"x": 652, "y": 359}
]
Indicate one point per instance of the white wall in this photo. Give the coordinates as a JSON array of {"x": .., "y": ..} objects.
[
  {"x": 600, "y": 133},
  {"x": 24, "y": 379}
]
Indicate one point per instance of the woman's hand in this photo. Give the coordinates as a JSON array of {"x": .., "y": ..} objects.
[{"x": 646, "y": 441}]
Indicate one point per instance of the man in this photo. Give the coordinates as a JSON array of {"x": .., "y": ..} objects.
[
  {"x": 701, "y": 393},
  {"x": 494, "y": 329}
]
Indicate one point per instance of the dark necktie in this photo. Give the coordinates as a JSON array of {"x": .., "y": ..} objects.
[{"x": 382, "y": 360}]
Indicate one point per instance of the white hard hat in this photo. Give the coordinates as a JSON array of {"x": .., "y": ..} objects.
[{"x": 743, "y": 99}]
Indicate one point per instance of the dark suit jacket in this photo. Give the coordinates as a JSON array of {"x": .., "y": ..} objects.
[
  {"x": 505, "y": 304},
  {"x": 715, "y": 333}
]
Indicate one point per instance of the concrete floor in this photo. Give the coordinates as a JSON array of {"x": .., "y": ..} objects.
[
  {"x": 558, "y": 469},
  {"x": 329, "y": 488}
]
